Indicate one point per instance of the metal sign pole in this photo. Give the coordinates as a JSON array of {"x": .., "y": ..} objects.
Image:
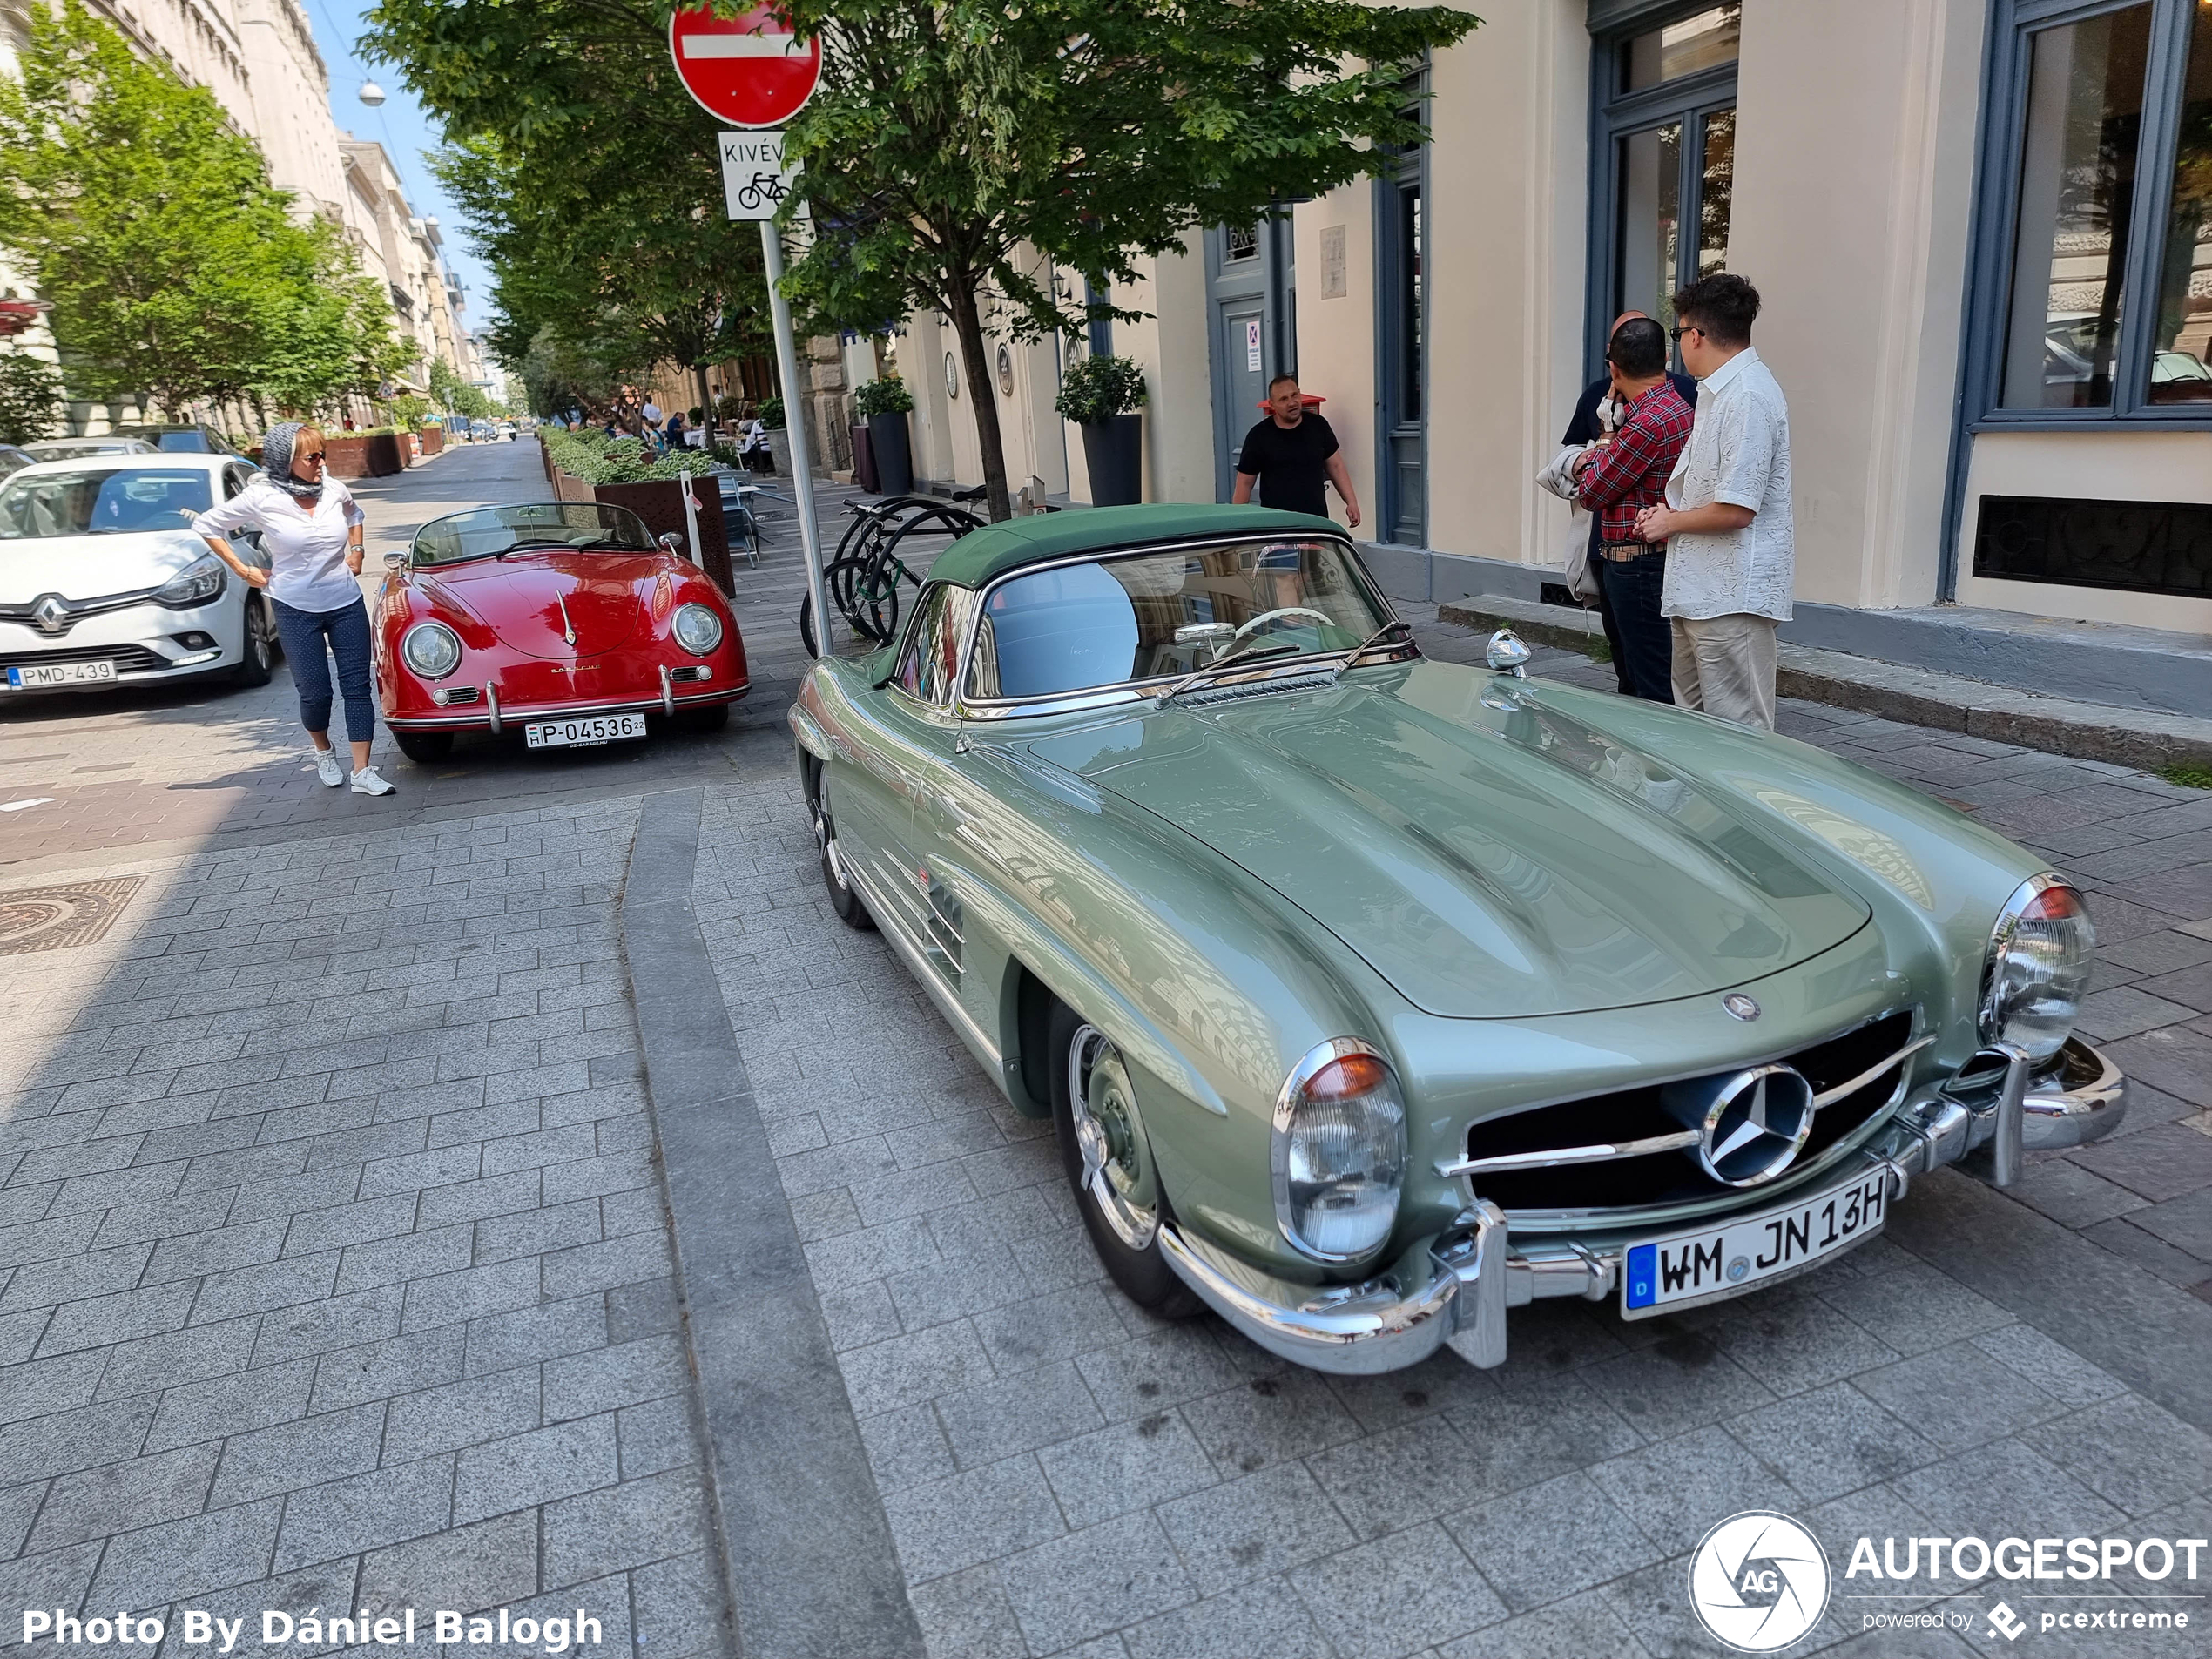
[{"x": 772, "y": 253}]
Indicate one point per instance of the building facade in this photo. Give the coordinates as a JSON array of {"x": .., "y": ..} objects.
[{"x": 1982, "y": 232}]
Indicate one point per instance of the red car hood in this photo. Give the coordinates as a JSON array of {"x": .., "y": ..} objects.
[{"x": 561, "y": 606}]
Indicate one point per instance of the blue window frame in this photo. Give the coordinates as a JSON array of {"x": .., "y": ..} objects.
[{"x": 2091, "y": 300}]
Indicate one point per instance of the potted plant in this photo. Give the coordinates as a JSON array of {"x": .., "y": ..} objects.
[
  {"x": 1101, "y": 396},
  {"x": 884, "y": 405}
]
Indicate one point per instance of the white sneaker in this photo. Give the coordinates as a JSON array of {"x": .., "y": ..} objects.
[
  {"x": 328, "y": 768},
  {"x": 366, "y": 782}
]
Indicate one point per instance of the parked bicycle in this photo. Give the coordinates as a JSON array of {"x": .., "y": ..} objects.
[{"x": 864, "y": 579}]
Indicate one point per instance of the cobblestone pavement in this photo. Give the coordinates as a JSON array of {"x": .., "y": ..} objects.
[
  {"x": 334, "y": 1271},
  {"x": 1064, "y": 1473}
]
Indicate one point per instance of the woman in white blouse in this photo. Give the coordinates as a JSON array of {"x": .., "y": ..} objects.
[{"x": 311, "y": 528}]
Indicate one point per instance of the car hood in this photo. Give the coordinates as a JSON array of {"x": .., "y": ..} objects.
[
  {"x": 1509, "y": 869},
  {"x": 532, "y": 601},
  {"x": 93, "y": 567}
]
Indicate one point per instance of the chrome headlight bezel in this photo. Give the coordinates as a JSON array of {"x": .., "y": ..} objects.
[
  {"x": 691, "y": 611},
  {"x": 200, "y": 583},
  {"x": 423, "y": 635},
  {"x": 1386, "y": 1102},
  {"x": 2003, "y": 994}
]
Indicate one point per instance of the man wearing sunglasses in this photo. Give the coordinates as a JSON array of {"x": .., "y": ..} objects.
[
  {"x": 311, "y": 528},
  {"x": 1732, "y": 552}
]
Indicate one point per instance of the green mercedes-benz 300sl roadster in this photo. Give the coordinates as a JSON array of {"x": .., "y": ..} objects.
[{"x": 1373, "y": 996}]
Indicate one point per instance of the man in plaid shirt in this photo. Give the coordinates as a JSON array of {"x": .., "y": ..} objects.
[{"x": 1618, "y": 481}]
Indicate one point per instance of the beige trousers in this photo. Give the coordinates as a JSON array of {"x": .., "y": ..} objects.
[{"x": 1725, "y": 666}]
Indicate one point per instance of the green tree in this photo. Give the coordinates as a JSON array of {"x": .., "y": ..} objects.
[
  {"x": 948, "y": 136},
  {"x": 31, "y": 398},
  {"x": 174, "y": 268}
]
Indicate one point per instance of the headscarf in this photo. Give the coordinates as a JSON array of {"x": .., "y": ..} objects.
[{"x": 276, "y": 461}]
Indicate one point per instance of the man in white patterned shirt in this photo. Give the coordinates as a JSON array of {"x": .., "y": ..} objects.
[{"x": 1731, "y": 553}]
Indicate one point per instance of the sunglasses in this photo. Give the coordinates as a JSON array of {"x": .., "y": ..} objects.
[
  {"x": 1676, "y": 334},
  {"x": 308, "y": 455}
]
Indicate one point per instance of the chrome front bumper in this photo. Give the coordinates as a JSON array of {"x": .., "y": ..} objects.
[{"x": 1456, "y": 1287}]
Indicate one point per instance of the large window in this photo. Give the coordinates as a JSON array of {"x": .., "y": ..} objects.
[
  {"x": 1664, "y": 155},
  {"x": 2095, "y": 274}
]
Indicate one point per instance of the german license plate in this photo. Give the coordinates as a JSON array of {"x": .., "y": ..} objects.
[
  {"x": 61, "y": 674},
  {"x": 1687, "y": 1268},
  {"x": 580, "y": 734}
]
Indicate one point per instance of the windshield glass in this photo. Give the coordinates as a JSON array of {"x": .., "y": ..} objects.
[
  {"x": 586, "y": 526},
  {"x": 1076, "y": 627},
  {"x": 108, "y": 503}
]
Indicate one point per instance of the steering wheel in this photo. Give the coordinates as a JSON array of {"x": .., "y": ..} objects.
[{"x": 1286, "y": 611}]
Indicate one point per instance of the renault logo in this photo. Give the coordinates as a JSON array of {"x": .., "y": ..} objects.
[
  {"x": 51, "y": 614},
  {"x": 1750, "y": 1124}
]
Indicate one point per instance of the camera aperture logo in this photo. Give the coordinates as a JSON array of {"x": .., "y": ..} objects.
[{"x": 1758, "y": 1581}]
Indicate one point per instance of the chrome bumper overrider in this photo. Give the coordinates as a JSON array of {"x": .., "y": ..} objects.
[{"x": 1456, "y": 1287}]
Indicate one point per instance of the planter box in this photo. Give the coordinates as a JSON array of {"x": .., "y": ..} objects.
[
  {"x": 780, "y": 449},
  {"x": 351, "y": 455},
  {"x": 661, "y": 505},
  {"x": 1113, "y": 451},
  {"x": 894, "y": 453},
  {"x": 864, "y": 473},
  {"x": 434, "y": 441}
]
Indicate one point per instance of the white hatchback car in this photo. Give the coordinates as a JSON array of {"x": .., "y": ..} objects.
[{"x": 102, "y": 580}]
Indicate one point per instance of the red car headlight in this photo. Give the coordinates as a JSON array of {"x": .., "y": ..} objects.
[
  {"x": 696, "y": 629},
  {"x": 431, "y": 649}
]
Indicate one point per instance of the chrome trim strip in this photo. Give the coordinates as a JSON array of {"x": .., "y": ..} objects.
[
  {"x": 1572, "y": 1155},
  {"x": 893, "y": 927},
  {"x": 1826, "y": 1096},
  {"x": 563, "y": 712}
]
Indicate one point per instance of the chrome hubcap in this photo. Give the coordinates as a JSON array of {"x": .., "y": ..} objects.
[{"x": 1109, "y": 1136}]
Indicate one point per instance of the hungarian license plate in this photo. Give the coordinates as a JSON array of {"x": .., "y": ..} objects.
[
  {"x": 61, "y": 674},
  {"x": 1687, "y": 1268},
  {"x": 580, "y": 734}
]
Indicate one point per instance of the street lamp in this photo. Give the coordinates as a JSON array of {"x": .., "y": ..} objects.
[{"x": 372, "y": 94}]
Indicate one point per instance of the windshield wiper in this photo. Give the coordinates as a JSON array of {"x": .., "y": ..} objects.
[
  {"x": 1396, "y": 625},
  {"x": 1250, "y": 654}
]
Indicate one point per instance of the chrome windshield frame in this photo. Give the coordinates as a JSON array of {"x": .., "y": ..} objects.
[
  {"x": 1142, "y": 691},
  {"x": 414, "y": 541}
]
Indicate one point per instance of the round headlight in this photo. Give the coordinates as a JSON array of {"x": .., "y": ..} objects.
[
  {"x": 1338, "y": 1153},
  {"x": 2038, "y": 968},
  {"x": 432, "y": 650},
  {"x": 698, "y": 629}
]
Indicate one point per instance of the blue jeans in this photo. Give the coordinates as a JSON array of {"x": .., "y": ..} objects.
[
  {"x": 1633, "y": 588},
  {"x": 347, "y": 630}
]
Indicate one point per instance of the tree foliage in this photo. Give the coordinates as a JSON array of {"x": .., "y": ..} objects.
[
  {"x": 31, "y": 398},
  {"x": 589, "y": 181},
  {"x": 955, "y": 147},
  {"x": 174, "y": 268},
  {"x": 950, "y": 140}
]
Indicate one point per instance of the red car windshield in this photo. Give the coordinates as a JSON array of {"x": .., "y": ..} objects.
[{"x": 493, "y": 532}]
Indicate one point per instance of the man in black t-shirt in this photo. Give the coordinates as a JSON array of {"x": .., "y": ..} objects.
[{"x": 1290, "y": 454}]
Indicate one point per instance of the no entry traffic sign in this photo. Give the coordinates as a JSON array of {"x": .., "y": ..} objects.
[{"x": 749, "y": 70}]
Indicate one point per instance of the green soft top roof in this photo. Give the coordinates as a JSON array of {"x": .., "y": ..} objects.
[{"x": 981, "y": 554}]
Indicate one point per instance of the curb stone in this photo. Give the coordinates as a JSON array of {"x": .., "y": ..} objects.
[
  {"x": 807, "y": 1550},
  {"x": 2138, "y": 737}
]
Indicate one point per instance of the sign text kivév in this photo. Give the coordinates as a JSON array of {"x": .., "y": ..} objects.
[{"x": 754, "y": 179}]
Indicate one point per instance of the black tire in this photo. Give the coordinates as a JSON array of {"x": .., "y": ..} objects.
[
  {"x": 711, "y": 717},
  {"x": 844, "y": 898},
  {"x": 1143, "y": 1274},
  {"x": 424, "y": 748},
  {"x": 257, "y": 662}
]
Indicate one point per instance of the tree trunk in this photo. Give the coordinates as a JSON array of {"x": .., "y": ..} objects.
[
  {"x": 982, "y": 396},
  {"x": 706, "y": 397}
]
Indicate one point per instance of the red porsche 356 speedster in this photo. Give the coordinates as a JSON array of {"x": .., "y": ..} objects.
[{"x": 563, "y": 620}]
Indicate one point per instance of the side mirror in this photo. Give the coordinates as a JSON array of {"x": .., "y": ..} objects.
[
  {"x": 672, "y": 543},
  {"x": 395, "y": 561},
  {"x": 1508, "y": 655}
]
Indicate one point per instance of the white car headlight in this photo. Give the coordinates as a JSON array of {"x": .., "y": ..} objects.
[
  {"x": 196, "y": 585},
  {"x": 698, "y": 629},
  {"x": 1338, "y": 1153},
  {"x": 2038, "y": 968},
  {"x": 432, "y": 650}
]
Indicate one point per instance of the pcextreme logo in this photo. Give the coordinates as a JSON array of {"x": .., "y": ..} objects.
[{"x": 1758, "y": 1581}]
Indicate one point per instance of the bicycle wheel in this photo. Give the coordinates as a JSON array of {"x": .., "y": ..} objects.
[{"x": 875, "y": 608}]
